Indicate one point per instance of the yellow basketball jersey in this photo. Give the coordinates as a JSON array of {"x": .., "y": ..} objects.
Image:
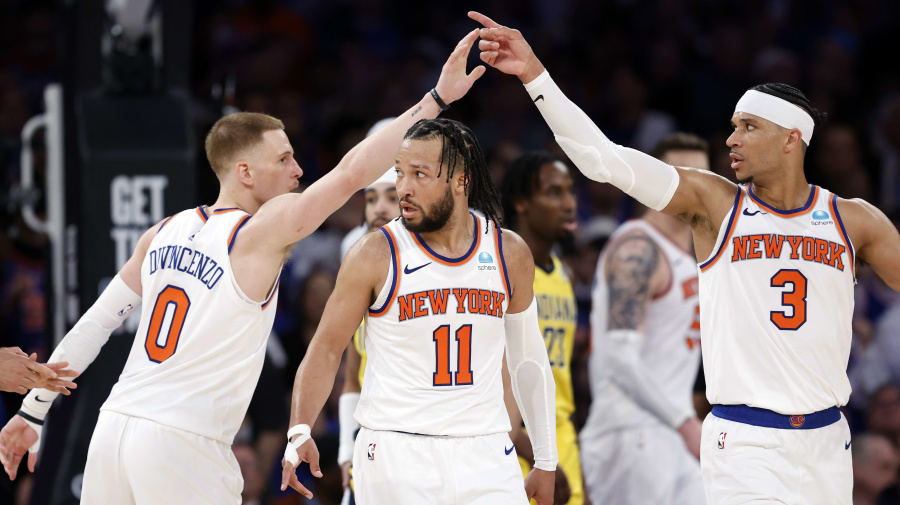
[
  {"x": 557, "y": 316},
  {"x": 359, "y": 343}
]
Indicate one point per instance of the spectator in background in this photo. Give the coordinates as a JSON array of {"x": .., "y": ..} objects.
[
  {"x": 250, "y": 471},
  {"x": 875, "y": 465},
  {"x": 884, "y": 413}
]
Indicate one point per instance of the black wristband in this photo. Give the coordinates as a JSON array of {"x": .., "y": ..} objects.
[
  {"x": 437, "y": 99},
  {"x": 28, "y": 417}
]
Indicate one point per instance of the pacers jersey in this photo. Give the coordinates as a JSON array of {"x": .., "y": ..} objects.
[
  {"x": 359, "y": 343},
  {"x": 435, "y": 339},
  {"x": 776, "y": 302},
  {"x": 557, "y": 318},
  {"x": 200, "y": 345},
  {"x": 670, "y": 351}
]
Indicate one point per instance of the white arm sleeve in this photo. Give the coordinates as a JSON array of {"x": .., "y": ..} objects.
[
  {"x": 647, "y": 179},
  {"x": 346, "y": 407},
  {"x": 629, "y": 374},
  {"x": 532, "y": 384},
  {"x": 83, "y": 342}
]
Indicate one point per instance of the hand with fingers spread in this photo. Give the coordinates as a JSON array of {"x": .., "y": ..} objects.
[
  {"x": 454, "y": 82},
  {"x": 506, "y": 49},
  {"x": 15, "y": 440},
  {"x": 20, "y": 372}
]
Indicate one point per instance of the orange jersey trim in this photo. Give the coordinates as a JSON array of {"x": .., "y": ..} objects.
[
  {"x": 223, "y": 211},
  {"x": 271, "y": 295},
  {"x": 395, "y": 280},
  {"x": 202, "y": 214},
  {"x": 235, "y": 231},
  {"x": 738, "y": 204},
  {"x": 498, "y": 246},
  {"x": 813, "y": 196},
  {"x": 839, "y": 224},
  {"x": 163, "y": 225},
  {"x": 452, "y": 262}
]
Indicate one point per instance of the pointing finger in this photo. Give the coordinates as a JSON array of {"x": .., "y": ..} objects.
[{"x": 481, "y": 18}]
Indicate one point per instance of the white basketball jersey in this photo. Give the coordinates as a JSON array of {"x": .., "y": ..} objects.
[
  {"x": 435, "y": 339},
  {"x": 776, "y": 303},
  {"x": 670, "y": 353},
  {"x": 201, "y": 342}
]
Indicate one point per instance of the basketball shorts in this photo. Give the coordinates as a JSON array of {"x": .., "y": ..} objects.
[
  {"x": 639, "y": 466},
  {"x": 392, "y": 467},
  {"x": 805, "y": 460},
  {"x": 135, "y": 461},
  {"x": 567, "y": 445}
]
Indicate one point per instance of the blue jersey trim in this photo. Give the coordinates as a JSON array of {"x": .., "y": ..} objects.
[
  {"x": 768, "y": 419},
  {"x": 785, "y": 213},
  {"x": 840, "y": 222},
  {"x": 396, "y": 265},
  {"x": 453, "y": 261},
  {"x": 728, "y": 230}
]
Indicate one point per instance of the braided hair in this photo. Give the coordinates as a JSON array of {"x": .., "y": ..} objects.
[
  {"x": 522, "y": 178},
  {"x": 460, "y": 149},
  {"x": 794, "y": 96}
]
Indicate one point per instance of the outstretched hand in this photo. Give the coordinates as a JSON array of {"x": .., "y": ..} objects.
[
  {"x": 454, "y": 82},
  {"x": 20, "y": 372},
  {"x": 506, "y": 49}
]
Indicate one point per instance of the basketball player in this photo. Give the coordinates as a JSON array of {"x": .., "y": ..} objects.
[
  {"x": 208, "y": 279},
  {"x": 382, "y": 205},
  {"x": 442, "y": 290},
  {"x": 641, "y": 441},
  {"x": 777, "y": 261},
  {"x": 539, "y": 205}
]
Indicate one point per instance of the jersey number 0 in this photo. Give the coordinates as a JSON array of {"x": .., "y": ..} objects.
[{"x": 167, "y": 319}]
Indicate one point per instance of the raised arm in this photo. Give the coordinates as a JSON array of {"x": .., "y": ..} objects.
[
  {"x": 288, "y": 218},
  {"x": 530, "y": 375},
  {"x": 357, "y": 282},
  {"x": 635, "y": 272},
  {"x": 687, "y": 193}
]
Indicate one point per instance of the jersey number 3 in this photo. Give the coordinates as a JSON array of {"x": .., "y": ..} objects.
[
  {"x": 166, "y": 322},
  {"x": 795, "y": 298},
  {"x": 442, "y": 374}
]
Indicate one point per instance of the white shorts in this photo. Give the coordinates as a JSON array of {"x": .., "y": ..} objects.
[
  {"x": 747, "y": 464},
  {"x": 640, "y": 466},
  {"x": 135, "y": 461},
  {"x": 392, "y": 467}
]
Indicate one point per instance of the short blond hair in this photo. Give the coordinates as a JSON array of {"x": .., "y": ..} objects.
[{"x": 234, "y": 134}]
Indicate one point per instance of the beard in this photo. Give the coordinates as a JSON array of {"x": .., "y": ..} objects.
[
  {"x": 746, "y": 180},
  {"x": 435, "y": 218}
]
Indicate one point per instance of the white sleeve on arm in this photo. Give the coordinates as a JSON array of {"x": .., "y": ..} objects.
[
  {"x": 346, "y": 407},
  {"x": 647, "y": 179},
  {"x": 84, "y": 341},
  {"x": 532, "y": 384},
  {"x": 629, "y": 373}
]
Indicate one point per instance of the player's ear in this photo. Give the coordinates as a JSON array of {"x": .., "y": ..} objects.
[
  {"x": 243, "y": 173},
  {"x": 793, "y": 141}
]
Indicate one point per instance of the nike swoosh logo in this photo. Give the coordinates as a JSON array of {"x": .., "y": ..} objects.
[
  {"x": 847, "y": 445},
  {"x": 509, "y": 450},
  {"x": 746, "y": 213},
  {"x": 38, "y": 398},
  {"x": 539, "y": 97},
  {"x": 408, "y": 270}
]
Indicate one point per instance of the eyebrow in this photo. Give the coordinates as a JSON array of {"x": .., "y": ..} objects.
[
  {"x": 747, "y": 120},
  {"x": 286, "y": 153}
]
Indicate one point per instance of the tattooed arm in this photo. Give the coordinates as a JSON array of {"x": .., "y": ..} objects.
[{"x": 635, "y": 272}]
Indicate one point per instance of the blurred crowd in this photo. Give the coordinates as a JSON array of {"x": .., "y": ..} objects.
[{"x": 640, "y": 69}]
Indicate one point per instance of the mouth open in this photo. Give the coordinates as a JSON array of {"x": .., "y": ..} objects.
[
  {"x": 407, "y": 210},
  {"x": 736, "y": 160}
]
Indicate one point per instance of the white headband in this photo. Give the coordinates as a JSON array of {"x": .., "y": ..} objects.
[
  {"x": 778, "y": 111},
  {"x": 389, "y": 177}
]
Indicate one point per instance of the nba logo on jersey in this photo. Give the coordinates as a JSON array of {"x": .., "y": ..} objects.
[
  {"x": 371, "y": 453},
  {"x": 722, "y": 440},
  {"x": 486, "y": 261}
]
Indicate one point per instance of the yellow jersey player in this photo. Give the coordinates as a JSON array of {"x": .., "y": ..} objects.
[
  {"x": 445, "y": 292},
  {"x": 207, "y": 277},
  {"x": 382, "y": 206},
  {"x": 777, "y": 270},
  {"x": 539, "y": 205}
]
